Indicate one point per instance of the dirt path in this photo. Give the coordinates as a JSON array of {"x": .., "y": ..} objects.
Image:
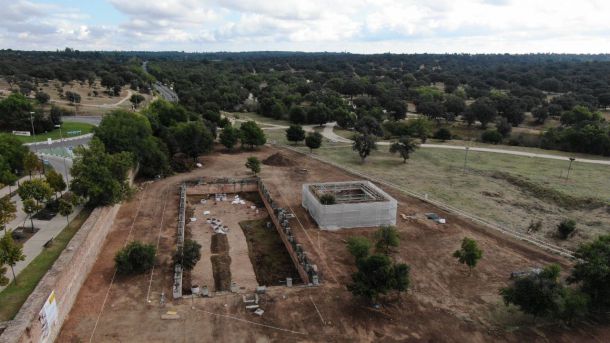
[{"x": 116, "y": 104}]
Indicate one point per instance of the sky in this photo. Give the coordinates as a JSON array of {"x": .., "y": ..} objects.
[{"x": 358, "y": 26}]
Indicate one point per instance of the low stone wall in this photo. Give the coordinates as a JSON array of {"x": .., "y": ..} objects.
[
  {"x": 64, "y": 279},
  {"x": 201, "y": 187},
  {"x": 280, "y": 217}
]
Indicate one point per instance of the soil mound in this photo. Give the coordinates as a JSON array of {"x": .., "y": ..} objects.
[{"x": 278, "y": 160}]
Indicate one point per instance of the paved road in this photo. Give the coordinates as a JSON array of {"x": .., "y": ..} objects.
[{"x": 166, "y": 92}]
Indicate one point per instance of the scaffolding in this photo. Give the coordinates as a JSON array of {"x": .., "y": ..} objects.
[{"x": 357, "y": 204}]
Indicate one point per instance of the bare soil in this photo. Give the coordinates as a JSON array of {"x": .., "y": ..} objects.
[
  {"x": 220, "y": 244},
  {"x": 221, "y": 267},
  {"x": 444, "y": 304},
  {"x": 271, "y": 261}
]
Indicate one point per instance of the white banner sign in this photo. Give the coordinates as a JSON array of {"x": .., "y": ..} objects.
[
  {"x": 21, "y": 133},
  {"x": 48, "y": 316}
]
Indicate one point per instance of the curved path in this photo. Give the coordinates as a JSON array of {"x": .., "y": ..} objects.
[{"x": 329, "y": 133}]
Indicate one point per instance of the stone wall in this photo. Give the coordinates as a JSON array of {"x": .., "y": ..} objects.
[
  {"x": 65, "y": 278},
  {"x": 220, "y": 187}
]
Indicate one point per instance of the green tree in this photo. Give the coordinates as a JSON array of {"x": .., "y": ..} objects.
[
  {"x": 420, "y": 128},
  {"x": 12, "y": 157},
  {"x": 193, "y": 138},
  {"x": 31, "y": 163},
  {"x": 295, "y": 133},
  {"x": 136, "y": 100},
  {"x": 538, "y": 294},
  {"x": 127, "y": 131},
  {"x": 98, "y": 176},
  {"x": 37, "y": 189},
  {"x": 469, "y": 253},
  {"x": 42, "y": 97},
  {"x": 359, "y": 246},
  {"x": 400, "y": 280},
  {"x": 135, "y": 258},
  {"x": 484, "y": 110},
  {"x": 375, "y": 276},
  {"x": 387, "y": 238},
  {"x": 10, "y": 252},
  {"x": 313, "y": 140},
  {"x": 297, "y": 115},
  {"x": 55, "y": 181},
  {"x": 229, "y": 137},
  {"x": 443, "y": 134},
  {"x": 592, "y": 271},
  {"x": 405, "y": 146},
  {"x": 7, "y": 211},
  {"x": 251, "y": 134},
  {"x": 188, "y": 256},
  {"x": 65, "y": 209},
  {"x": 565, "y": 228},
  {"x": 491, "y": 136},
  {"x": 254, "y": 164},
  {"x": 364, "y": 145},
  {"x": 30, "y": 207},
  {"x": 369, "y": 125}
]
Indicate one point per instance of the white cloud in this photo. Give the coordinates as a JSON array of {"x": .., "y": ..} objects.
[{"x": 314, "y": 25}]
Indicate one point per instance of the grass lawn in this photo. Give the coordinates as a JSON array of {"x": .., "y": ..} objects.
[
  {"x": 13, "y": 296},
  {"x": 256, "y": 117},
  {"x": 482, "y": 191},
  {"x": 65, "y": 127}
]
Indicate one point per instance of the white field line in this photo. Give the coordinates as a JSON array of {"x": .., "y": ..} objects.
[
  {"x": 250, "y": 322},
  {"x": 158, "y": 240},
  {"x": 99, "y": 316}
]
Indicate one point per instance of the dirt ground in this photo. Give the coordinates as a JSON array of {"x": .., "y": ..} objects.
[
  {"x": 241, "y": 270},
  {"x": 444, "y": 304}
]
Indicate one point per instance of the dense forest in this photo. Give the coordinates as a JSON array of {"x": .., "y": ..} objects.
[{"x": 369, "y": 93}]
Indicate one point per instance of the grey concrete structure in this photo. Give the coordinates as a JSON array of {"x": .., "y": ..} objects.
[{"x": 357, "y": 204}]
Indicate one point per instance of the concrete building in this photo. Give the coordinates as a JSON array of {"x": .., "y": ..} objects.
[{"x": 356, "y": 204}]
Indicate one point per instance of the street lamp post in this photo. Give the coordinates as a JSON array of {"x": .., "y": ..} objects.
[{"x": 570, "y": 167}]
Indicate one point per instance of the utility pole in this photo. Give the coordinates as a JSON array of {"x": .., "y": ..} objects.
[
  {"x": 466, "y": 159},
  {"x": 570, "y": 167}
]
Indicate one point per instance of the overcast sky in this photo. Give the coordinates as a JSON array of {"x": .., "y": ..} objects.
[{"x": 360, "y": 26}]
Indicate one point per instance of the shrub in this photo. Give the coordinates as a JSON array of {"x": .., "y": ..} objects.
[
  {"x": 135, "y": 258},
  {"x": 327, "y": 199},
  {"x": 189, "y": 256},
  {"x": 491, "y": 136},
  {"x": 443, "y": 134},
  {"x": 565, "y": 228},
  {"x": 359, "y": 246}
]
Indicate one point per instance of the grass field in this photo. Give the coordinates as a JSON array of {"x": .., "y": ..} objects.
[
  {"x": 13, "y": 296},
  {"x": 55, "y": 134},
  {"x": 509, "y": 190}
]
